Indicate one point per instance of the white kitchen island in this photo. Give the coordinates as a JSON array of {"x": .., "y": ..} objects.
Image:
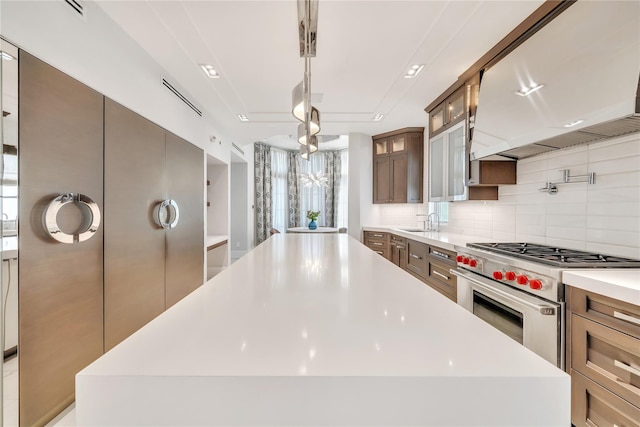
[{"x": 318, "y": 330}]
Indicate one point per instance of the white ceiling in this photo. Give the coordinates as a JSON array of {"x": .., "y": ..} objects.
[{"x": 364, "y": 49}]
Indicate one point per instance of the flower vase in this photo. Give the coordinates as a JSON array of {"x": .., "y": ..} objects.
[{"x": 313, "y": 225}]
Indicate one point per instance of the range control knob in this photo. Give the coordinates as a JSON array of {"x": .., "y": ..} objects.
[
  {"x": 535, "y": 284},
  {"x": 510, "y": 276},
  {"x": 522, "y": 279},
  {"x": 498, "y": 275},
  {"x": 459, "y": 258},
  {"x": 465, "y": 260},
  {"x": 473, "y": 263}
]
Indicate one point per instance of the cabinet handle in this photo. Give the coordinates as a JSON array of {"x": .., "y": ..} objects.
[
  {"x": 377, "y": 235},
  {"x": 376, "y": 243},
  {"x": 626, "y": 367},
  {"x": 415, "y": 256},
  {"x": 51, "y": 218},
  {"x": 164, "y": 220},
  {"x": 379, "y": 252},
  {"x": 440, "y": 254},
  {"x": 626, "y": 317},
  {"x": 440, "y": 274}
]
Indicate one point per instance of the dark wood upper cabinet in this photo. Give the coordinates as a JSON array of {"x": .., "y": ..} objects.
[{"x": 398, "y": 166}]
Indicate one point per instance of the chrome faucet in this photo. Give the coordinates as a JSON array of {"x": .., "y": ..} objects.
[
  {"x": 431, "y": 222},
  {"x": 424, "y": 221}
]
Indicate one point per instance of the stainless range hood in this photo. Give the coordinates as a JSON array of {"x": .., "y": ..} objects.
[{"x": 588, "y": 60}]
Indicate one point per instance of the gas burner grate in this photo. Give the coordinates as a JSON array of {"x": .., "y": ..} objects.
[{"x": 556, "y": 256}]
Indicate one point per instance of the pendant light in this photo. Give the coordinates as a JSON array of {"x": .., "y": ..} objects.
[
  {"x": 301, "y": 95},
  {"x": 307, "y": 149}
]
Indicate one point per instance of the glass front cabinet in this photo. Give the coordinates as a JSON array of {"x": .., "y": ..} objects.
[{"x": 448, "y": 165}]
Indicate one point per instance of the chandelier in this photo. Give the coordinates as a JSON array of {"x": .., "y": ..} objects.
[{"x": 301, "y": 95}]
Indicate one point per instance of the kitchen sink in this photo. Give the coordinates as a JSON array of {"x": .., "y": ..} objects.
[{"x": 413, "y": 230}]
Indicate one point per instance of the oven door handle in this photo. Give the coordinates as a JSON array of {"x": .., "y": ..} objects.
[{"x": 542, "y": 308}]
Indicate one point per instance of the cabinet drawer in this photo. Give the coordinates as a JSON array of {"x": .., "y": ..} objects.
[
  {"x": 608, "y": 357},
  {"x": 397, "y": 240},
  {"x": 442, "y": 254},
  {"x": 417, "y": 258},
  {"x": 592, "y": 405},
  {"x": 376, "y": 235},
  {"x": 616, "y": 314},
  {"x": 439, "y": 272},
  {"x": 382, "y": 251}
]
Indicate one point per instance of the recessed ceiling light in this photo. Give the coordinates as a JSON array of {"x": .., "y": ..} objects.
[
  {"x": 527, "y": 90},
  {"x": 243, "y": 118},
  {"x": 573, "y": 123},
  {"x": 378, "y": 117},
  {"x": 210, "y": 71},
  {"x": 6, "y": 56},
  {"x": 413, "y": 72}
]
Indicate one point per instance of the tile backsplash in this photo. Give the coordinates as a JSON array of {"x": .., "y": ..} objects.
[{"x": 603, "y": 217}]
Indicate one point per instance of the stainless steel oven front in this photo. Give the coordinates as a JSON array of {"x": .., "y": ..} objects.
[{"x": 534, "y": 322}]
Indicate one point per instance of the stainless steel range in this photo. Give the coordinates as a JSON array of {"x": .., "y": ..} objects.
[{"x": 517, "y": 287}]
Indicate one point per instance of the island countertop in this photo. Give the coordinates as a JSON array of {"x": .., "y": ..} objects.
[{"x": 318, "y": 330}]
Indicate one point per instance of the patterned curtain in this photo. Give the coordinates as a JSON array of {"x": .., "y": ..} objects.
[
  {"x": 262, "y": 164},
  {"x": 332, "y": 171},
  {"x": 294, "y": 189}
]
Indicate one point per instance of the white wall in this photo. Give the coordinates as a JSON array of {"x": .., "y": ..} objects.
[
  {"x": 98, "y": 53},
  {"x": 238, "y": 237},
  {"x": 604, "y": 217},
  {"x": 362, "y": 211},
  {"x": 218, "y": 197}
]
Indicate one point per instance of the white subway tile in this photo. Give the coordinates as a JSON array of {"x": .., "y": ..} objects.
[
  {"x": 504, "y": 236},
  {"x": 613, "y": 195},
  {"x": 613, "y": 209},
  {"x": 530, "y": 238},
  {"x": 629, "y": 224},
  {"x": 531, "y": 229},
  {"x": 531, "y": 209},
  {"x": 554, "y": 209},
  {"x": 576, "y": 220},
  {"x": 615, "y": 149},
  {"x": 536, "y": 163},
  {"x": 624, "y": 164},
  {"x": 568, "y": 233},
  {"x": 612, "y": 249},
  {"x": 621, "y": 238},
  {"x": 618, "y": 179},
  {"x": 567, "y": 243},
  {"x": 533, "y": 177}
]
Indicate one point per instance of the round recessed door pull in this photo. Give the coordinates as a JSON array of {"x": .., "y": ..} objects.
[
  {"x": 90, "y": 225},
  {"x": 167, "y": 214}
]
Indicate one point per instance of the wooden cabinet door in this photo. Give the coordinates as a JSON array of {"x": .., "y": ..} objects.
[
  {"x": 398, "y": 173},
  {"x": 593, "y": 405},
  {"x": 60, "y": 285},
  {"x": 184, "y": 264},
  {"x": 134, "y": 250},
  {"x": 381, "y": 180},
  {"x": 417, "y": 262}
]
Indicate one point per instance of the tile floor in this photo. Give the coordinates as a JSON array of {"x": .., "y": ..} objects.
[{"x": 10, "y": 400}]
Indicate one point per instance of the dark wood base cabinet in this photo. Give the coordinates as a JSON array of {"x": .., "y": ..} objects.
[
  {"x": 378, "y": 242},
  {"x": 604, "y": 356}
]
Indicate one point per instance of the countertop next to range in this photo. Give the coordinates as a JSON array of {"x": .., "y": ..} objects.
[
  {"x": 621, "y": 284},
  {"x": 318, "y": 330},
  {"x": 436, "y": 238}
]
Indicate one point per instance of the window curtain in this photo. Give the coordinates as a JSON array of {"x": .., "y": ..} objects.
[
  {"x": 332, "y": 171},
  {"x": 262, "y": 173},
  {"x": 279, "y": 189},
  {"x": 342, "y": 206},
  {"x": 293, "y": 185}
]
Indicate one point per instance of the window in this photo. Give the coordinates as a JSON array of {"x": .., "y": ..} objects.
[{"x": 312, "y": 198}]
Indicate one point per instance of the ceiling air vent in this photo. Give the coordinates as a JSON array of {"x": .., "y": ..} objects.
[
  {"x": 233, "y": 144},
  {"x": 76, "y": 5},
  {"x": 182, "y": 98}
]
